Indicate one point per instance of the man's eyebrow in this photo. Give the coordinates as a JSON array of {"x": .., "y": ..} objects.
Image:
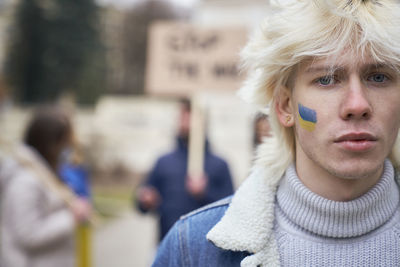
[
  {"x": 329, "y": 69},
  {"x": 333, "y": 69},
  {"x": 377, "y": 66}
]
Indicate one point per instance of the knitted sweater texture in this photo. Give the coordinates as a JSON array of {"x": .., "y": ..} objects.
[{"x": 314, "y": 231}]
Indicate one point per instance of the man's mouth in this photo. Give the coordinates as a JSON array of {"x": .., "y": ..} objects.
[{"x": 356, "y": 142}]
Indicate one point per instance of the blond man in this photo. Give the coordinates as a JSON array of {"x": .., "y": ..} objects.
[{"x": 324, "y": 190}]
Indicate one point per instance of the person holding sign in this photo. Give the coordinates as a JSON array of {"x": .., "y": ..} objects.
[
  {"x": 170, "y": 192},
  {"x": 325, "y": 188}
]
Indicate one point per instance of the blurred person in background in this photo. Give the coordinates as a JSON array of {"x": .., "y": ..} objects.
[
  {"x": 39, "y": 212},
  {"x": 169, "y": 192},
  {"x": 8, "y": 166},
  {"x": 262, "y": 128}
]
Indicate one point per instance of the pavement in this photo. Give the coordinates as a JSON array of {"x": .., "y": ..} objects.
[{"x": 128, "y": 240}]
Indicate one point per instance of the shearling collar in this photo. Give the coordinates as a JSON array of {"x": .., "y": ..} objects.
[{"x": 248, "y": 222}]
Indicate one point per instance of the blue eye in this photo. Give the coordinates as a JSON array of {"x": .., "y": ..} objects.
[
  {"x": 326, "y": 80},
  {"x": 378, "y": 78}
]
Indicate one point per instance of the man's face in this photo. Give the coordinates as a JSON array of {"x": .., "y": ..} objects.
[{"x": 346, "y": 120}]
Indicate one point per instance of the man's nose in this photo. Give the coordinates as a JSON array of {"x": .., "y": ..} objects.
[{"x": 356, "y": 104}]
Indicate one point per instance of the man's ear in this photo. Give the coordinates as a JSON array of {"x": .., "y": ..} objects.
[{"x": 284, "y": 108}]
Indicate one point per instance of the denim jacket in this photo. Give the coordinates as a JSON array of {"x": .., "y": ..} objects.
[
  {"x": 189, "y": 243},
  {"x": 235, "y": 231}
]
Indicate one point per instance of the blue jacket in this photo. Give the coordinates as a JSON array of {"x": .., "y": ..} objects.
[
  {"x": 168, "y": 177},
  {"x": 189, "y": 235}
]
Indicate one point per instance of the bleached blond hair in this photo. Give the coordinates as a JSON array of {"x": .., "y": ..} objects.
[{"x": 305, "y": 29}]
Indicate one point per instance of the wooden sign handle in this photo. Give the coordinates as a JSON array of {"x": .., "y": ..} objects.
[{"x": 196, "y": 138}]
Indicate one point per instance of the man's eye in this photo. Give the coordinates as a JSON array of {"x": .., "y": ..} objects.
[
  {"x": 378, "y": 78},
  {"x": 326, "y": 80}
]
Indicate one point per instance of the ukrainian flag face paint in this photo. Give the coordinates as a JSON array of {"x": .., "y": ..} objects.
[{"x": 307, "y": 118}]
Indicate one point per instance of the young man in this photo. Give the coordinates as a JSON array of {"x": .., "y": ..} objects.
[{"x": 324, "y": 191}]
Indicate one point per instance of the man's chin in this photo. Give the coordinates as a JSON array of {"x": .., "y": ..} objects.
[{"x": 357, "y": 171}]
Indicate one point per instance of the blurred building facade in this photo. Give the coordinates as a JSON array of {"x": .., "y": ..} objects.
[
  {"x": 124, "y": 31},
  {"x": 231, "y": 12}
]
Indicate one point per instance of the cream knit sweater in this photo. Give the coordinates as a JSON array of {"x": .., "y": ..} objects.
[{"x": 314, "y": 231}]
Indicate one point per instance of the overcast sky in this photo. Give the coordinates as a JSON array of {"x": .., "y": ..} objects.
[{"x": 127, "y": 3}]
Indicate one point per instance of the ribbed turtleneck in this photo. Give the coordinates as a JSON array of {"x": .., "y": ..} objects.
[{"x": 329, "y": 218}]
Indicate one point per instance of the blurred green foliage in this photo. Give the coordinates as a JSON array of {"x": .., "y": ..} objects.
[{"x": 55, "y": 48}]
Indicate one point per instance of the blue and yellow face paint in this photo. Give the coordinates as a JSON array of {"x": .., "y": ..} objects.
[{"x": 307, "y": 118}]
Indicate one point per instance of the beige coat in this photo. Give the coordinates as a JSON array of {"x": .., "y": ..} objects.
[{"x": 37, "y": 229}]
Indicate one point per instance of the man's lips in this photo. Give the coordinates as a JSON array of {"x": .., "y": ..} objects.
[
  {"x": 356, "y": 142},
  {"x": 356, "y": 137}
]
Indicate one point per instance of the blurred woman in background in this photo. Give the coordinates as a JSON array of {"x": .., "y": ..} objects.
[{"x": 39, "y": 212}]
